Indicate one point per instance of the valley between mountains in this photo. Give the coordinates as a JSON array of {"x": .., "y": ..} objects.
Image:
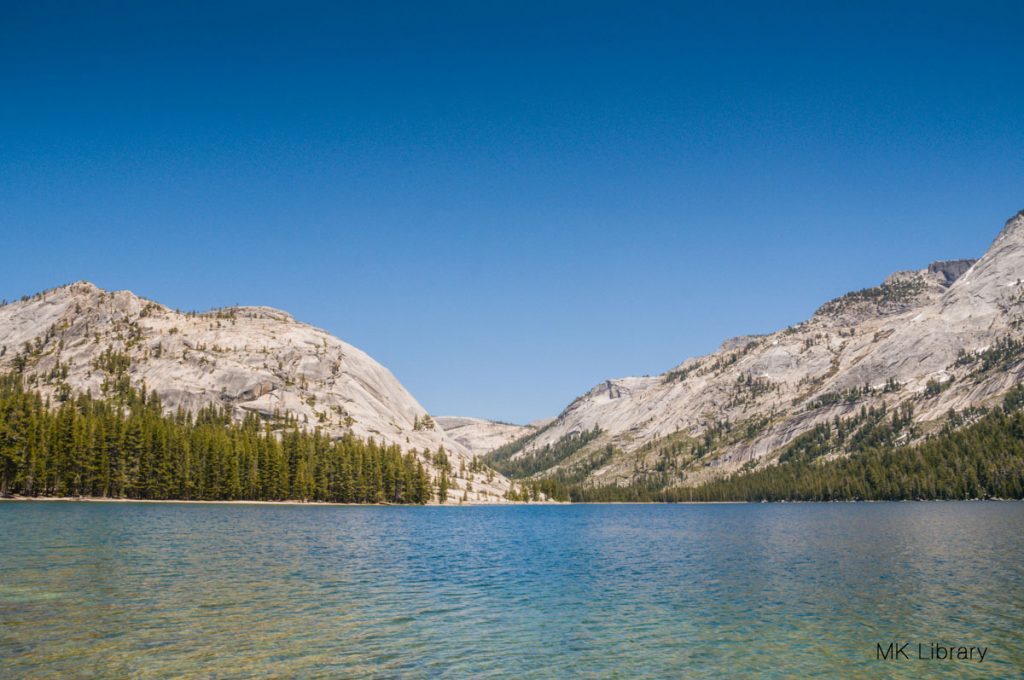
[{"x": 926, "y": 354}]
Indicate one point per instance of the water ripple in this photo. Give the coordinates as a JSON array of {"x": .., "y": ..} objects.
[{"x": 170, "y": 590}]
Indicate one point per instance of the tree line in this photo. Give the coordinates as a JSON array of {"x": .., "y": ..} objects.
[
  {"x": 126, "y": 447},
  {"x": 502, "y": 459}
]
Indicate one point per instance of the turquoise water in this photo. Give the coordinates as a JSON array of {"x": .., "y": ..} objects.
[{"x": 172, "y": 590}]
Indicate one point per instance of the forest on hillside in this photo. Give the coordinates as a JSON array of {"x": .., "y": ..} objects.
[
  {"x": 124, "y": 446},
  {"x": 984, "y": 459}
]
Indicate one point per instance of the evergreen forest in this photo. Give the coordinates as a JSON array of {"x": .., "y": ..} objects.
[{"x": 126, "y": 447}]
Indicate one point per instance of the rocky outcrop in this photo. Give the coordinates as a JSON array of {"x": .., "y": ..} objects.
[
  {"x": 79, "y": 338},
  {"x": 479, "y": 436},
  {"x": 950, "y": 270}
]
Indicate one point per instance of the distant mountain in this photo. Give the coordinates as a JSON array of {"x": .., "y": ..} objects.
[
  {"x": 481, "y": 436},
  {"x": 79, "y": 338},
  {"x": 884, "y": 366}
]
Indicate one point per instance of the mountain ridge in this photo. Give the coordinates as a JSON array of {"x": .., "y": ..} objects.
[{"x": 915, "y": 340}]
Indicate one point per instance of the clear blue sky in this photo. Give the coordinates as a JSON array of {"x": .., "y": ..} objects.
[{"x": 506, "y": 203}]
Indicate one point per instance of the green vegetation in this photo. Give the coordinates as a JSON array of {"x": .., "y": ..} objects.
[
  {"x": 714, "y": 435},
  {"x": 898, "y": 292},
  {"x": 749, "y": 389},
  {"x": 424, "y": 423},
  {"x": 576, "y": 472},
  {"x": 870, "y": 429},
  {"x": 982, "y": 460},
  {"x": 892, "y": 385},
  {"x": 555, "y": 485},
  {"x": 560, "y": 484},
  {"x": 538, "y": 461},
  {"x": 852, "y": 395},
  {"x": 847, "y": 396},
  {"x": 535, "y": 490},
  {"x": 1005, "y": 352},
  {"x": 673, "y": 451},
  {"x": 680, "y": 375},
  {"x": 934, "y": 387},
  {"x": 124, "y": 447},
  {"x": 440, "y": 459}
]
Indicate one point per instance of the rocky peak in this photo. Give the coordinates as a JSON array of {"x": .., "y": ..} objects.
[
  {"x": 950, "y": 270},
  {"x": 899, "y": 293},
  {"x": 982, "y": 290},
  {"x": 1013, "y": 229}
]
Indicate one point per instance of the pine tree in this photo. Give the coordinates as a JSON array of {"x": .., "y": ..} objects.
[{"x": 442, "y": 486}]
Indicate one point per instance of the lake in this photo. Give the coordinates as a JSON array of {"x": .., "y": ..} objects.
[{"x": 170, "y": 590}]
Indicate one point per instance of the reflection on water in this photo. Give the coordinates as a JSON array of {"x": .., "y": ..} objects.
[{"x": 166, "y": 590}]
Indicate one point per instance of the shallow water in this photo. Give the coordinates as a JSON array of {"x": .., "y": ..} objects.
[{"x": 172, "y": 590}]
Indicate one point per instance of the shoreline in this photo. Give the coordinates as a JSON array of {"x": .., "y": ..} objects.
[
  {"x": 181, "y": 501},
  {"x": 100, "y": 499}
]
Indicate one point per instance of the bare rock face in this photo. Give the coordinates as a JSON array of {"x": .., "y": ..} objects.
[
  {"x": 80, "y": 338},
  {"x": 481, "y": 436},
  {"x": 939, "y": 339},
  {"x": 950, "y": 270}
]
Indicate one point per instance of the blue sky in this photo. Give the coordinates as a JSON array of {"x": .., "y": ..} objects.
[{"x": 506, "y": 203}]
